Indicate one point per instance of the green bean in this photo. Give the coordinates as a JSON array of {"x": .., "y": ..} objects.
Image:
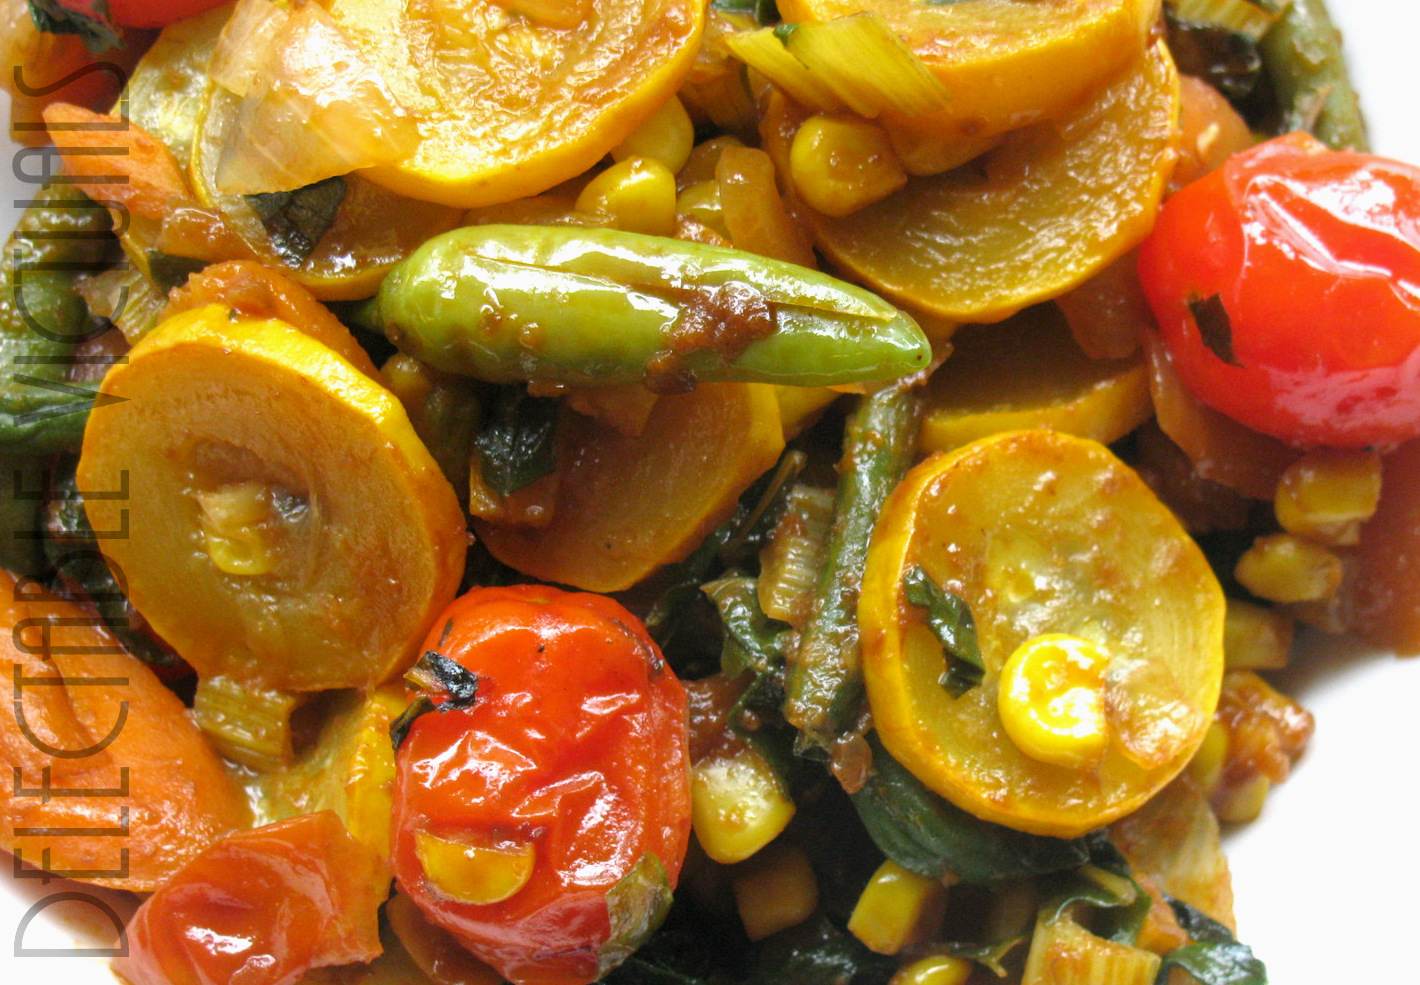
[
  {"x": 1303, "y": 57},
  {"x": 22, "y": 481},
  {"x": 594, "y": 306},
  {"x": 824, "y": 683},
  {"x": 42, "y": 320}
]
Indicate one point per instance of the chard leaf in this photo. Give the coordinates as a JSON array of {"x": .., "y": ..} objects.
[
  {"x": 95, "y": 28},
  {"x": 296, "y": 220},
  {"x": 950, "y": 619},
  {"x": 989, "y": 956},
  {"x": 816, "y": 952},
  {"x": 434, "y": 677},
  {"x": 1214, "y": 327},
  {"x": 1215, "y": 957},
  {"x": 516, "y": 444}
]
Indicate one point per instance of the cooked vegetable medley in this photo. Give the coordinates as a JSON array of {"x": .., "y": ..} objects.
[{"x": 689, "y": 492}]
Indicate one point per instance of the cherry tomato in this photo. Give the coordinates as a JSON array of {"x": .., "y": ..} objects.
[
  {"x": 543, "y": 820},
  {"x": 261, "y": 907},
  {"x": 1286, "y": 285},
  {"x": 141, "y": 13}
]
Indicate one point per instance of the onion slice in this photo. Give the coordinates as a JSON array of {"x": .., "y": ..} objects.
[{"x": 311, "y": 107}]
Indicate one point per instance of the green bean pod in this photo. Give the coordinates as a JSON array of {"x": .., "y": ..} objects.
[
  {"x": 824, "y": 680},
  {"x": 42, "y": 320},
  {"x": 1303, "y": 57},
  {"x": 601, "y": 306}
]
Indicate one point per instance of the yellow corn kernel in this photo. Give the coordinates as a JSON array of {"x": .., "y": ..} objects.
[
  {"x": 639, "y": 193},
  {"x": 939, "y": 969},
  {"x": 1286, "y": 568},
  {"x": 779, "y": 891},
  {"x": 667, "y": 136},
  {"x": 1206, "y": 766},
  {"x": 923, "y": 153},
  {"x": 1051, "y": 700},
  {"x": 839, "y": 165},
  {"x": 897, "y": 909},
  {"x": 474, "y": 868},
  {"x": 1244, "y": 802},
  {"x": 701, "y": 201},
  {"x": 738, "y": 805},
  {"x": 237, "y": 525},
  {"x": 1256, "y": 637},
  {"x": 1327, "y": 494}
]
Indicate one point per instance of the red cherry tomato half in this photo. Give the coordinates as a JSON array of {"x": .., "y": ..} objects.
[
  {"x": 543, "y": 820},
  {"x": 261, "y": 907},
  {"x": 1286, "y": 285},
  {"x": 141, "y": 13}
]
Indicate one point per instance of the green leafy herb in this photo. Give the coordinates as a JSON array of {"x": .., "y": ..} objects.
[
  {"x": 296, "y": 220},
  {"x": 636, "y": 906},
  {"x": 753, "y": 641},
  {"x": 169, "y": 271},
  {"x": 817, "y": 952},
  {"x": 763, "y": 11},
  {"x": 73, "y": 549},
  {"x": 928, "y": 835},
  {"x": 1106, "y": 883},
  {"x": 517, "y": 441},
  {"x": 734, "y": 542},
  {"x": 434, "y": 676},
  {"x": 95, "y": 28},
  {"x": 950, "y": 619},
  {"x": 1215, "y": 957},
  {"x": 1214, "y": 327}
]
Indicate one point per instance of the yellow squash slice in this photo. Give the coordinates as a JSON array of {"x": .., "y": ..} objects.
[
  {"x": 1041, "y": 533},
  {"x": 1005, "y": 63},
  {"x": 510, "y": 103},
  {"x": 1028, "y": 372},
  {"x": 1049, "y": 207},
  {"x": 282, "y": 523},
  {"x": 627, "y": 504}
]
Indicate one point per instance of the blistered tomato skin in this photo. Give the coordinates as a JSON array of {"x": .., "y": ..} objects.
[
  {"x": 1313, "y": 257},
  {"x": 572, "y": 756},
  {"x": 261, "y": 907}
]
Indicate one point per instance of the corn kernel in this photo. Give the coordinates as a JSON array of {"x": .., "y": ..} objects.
[
  {"x": 638, "y": 192},
  {"x": 701, "y": 201},
  {"x": 939, "y": 969},
  {"x": 738, "y": 805},
  {"x": 236, "y": 525},
  {"x": 1328, "y": 493},
  {"x": 897, "y": 909},
  {"x": 839, "y": 166},
  {"x": 667, "y": 136},
  {"x": 1244, "y": 802},
  {"x": 474, "y": 868},
  {"x": 1286, "y": 568},
  {"x": 1206, "y": 766},
  {"x": 1051, "y": 700},
  {"x": 1256, "y": 637},
  {"x": 779, "y": 891}
]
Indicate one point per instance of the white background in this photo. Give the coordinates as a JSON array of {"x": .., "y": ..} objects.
[{"x": 1328, "y": 880}]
